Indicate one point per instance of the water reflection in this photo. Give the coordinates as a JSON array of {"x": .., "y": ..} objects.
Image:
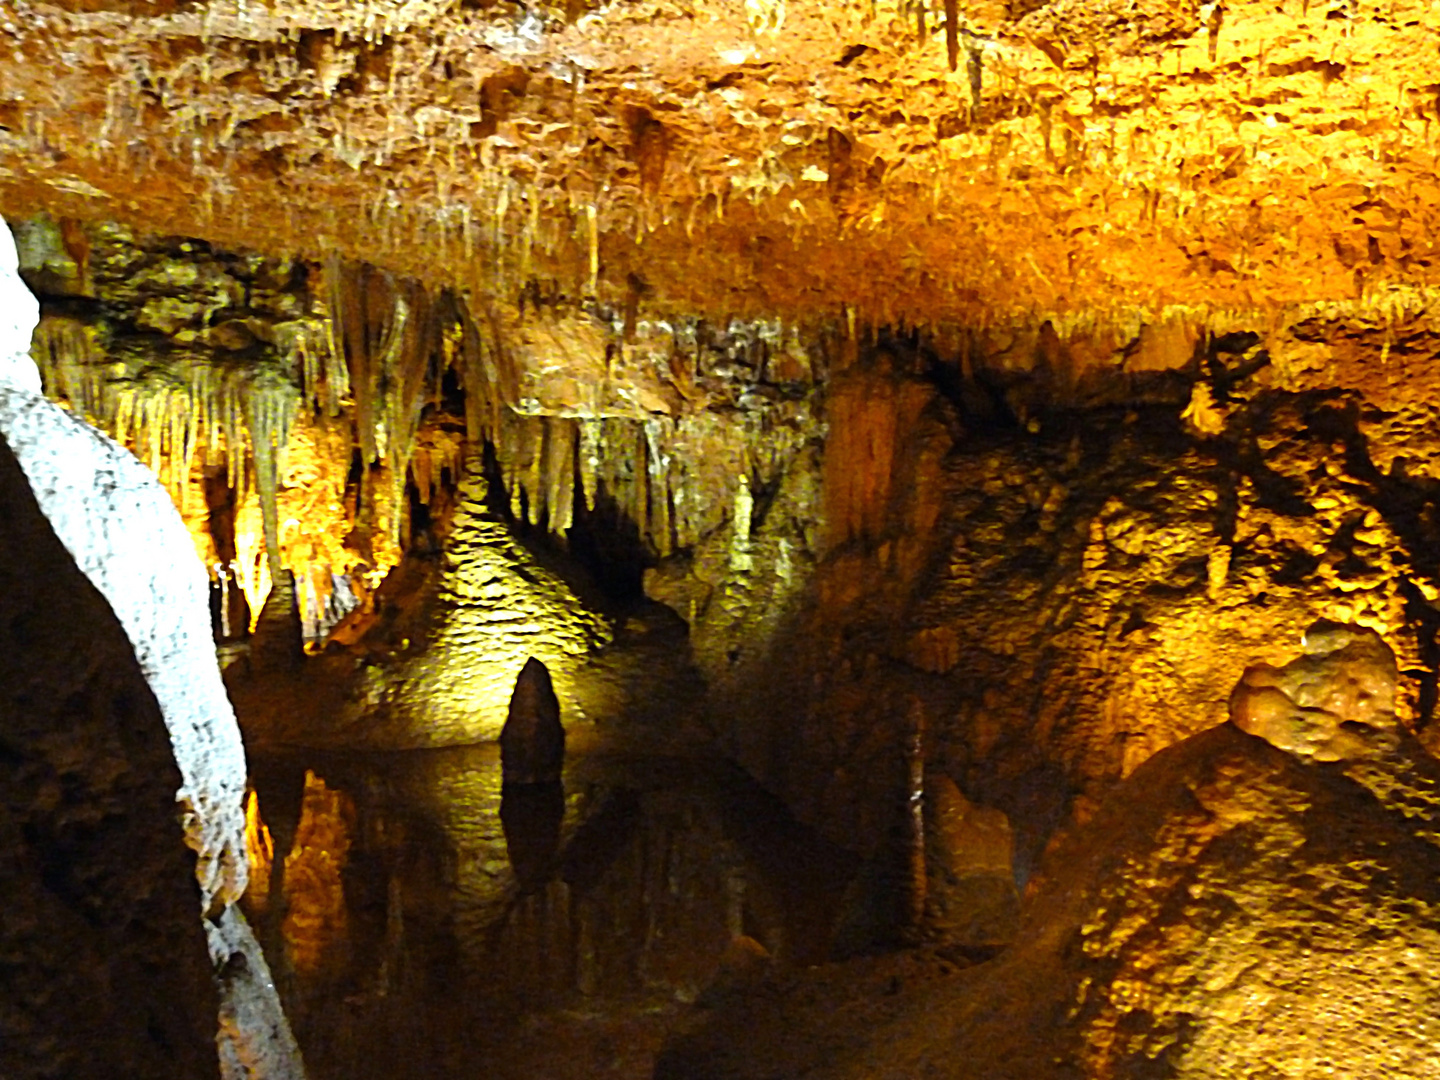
[
  {"x": 544, "y": 930},
  {"x": 530, "y": 815}
]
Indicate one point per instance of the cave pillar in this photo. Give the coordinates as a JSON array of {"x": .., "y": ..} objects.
[{"x": 125, "y": 535}]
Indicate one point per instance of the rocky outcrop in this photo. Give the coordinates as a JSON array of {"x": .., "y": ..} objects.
[
  {"x": 1335, "y": 703},
  {"x": 124, "y": 534},
  {"x": 532, "y": 742},
  {"x": 1232, "y": 909},
  {"x": 106, "y": 969}
]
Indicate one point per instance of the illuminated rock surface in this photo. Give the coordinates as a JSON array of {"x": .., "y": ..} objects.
[
  {"x": 1336, "y": 703},
  {"x": 124, "y": 534},
  {"x": 1232, "y": 910},
  {"x": 450, "y": 663}
]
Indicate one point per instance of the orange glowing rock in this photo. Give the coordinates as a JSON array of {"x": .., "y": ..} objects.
[{"x": 1335, "y": 703}]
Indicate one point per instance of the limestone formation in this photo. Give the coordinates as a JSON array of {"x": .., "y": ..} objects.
[
  {"x": 125, "y": 535},
  {"x": 1231, "y": 910},
  {"x": 990, "y": 164},
  {"x": 451, "y": 659},
  {"x": 106, "y": 968},
  {"x": 1335, "y": 703},
  {"x": 532, "y": 742}
]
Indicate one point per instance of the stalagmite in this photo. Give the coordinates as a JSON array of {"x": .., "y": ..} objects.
[{"x": 532, "y": 742}]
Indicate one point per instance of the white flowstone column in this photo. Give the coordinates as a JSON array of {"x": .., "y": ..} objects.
[{"x": 126, "y": 536}]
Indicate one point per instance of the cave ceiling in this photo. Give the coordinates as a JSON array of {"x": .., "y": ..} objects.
[{"x": 892, "y": 163}]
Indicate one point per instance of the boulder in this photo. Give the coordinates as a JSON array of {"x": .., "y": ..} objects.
[{"x": 1334, "y": 703}]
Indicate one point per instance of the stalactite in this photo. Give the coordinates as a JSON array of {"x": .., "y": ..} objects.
[
  {"x": 270, "y": 410},
  {"x": 560, "y": 475},
  {"x": 657, "y": 486},
  {"x": 314, "y": 351},
  {"x": 590, "y": 435},
  {"x": 416, "y": 342},
  {"x": 482, "y": 399},
  {"x": 358, "y": 298}
]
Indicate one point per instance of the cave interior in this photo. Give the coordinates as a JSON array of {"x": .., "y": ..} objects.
[{"x": 964, "y": 475}]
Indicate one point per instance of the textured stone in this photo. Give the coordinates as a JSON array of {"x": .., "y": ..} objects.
[
  {"x": 1100, "y": 162},
  {"x": 463, "y": 637},
  {"x": 1335, "y": 703},
  {"x": 125, "y": 535},
  {"x": 106, "y": 969},
  {"x": 277, "y": 644}
]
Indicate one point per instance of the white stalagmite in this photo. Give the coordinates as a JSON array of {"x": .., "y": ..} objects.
[{"x": 126, "y": 536}]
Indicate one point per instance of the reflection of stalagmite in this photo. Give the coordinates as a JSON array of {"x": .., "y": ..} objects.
[
  {"x": 532, "y": 743},
  {"x": 531, "y": 817}
]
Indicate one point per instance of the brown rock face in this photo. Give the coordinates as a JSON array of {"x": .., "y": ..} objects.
[
  {"x": 1335, "y": 703},
  {"x": 106, "y": 970},
  {"x": 532, "y": 742},
  {"x": 1232, "y": 911}
]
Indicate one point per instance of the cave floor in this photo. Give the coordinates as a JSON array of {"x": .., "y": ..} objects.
[{"x": 427, "y": 923}]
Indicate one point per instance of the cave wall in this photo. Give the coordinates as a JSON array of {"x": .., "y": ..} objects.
[
  {"x": 107, "y": 971},
  {"x": 124, "y": 534},
  {"x": 1050, "y": 542},
  {"x": 1063, "y": 579}
]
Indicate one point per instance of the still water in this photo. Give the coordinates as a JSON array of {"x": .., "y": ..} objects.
[{"x": 421, "y": 922}]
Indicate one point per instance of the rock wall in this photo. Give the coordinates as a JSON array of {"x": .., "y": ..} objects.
[
  {"x": 106, "y": 966},
  {"x": 124, "y": 534},
  {"x": 1233, "y": 909},
  {"x": 1065, "y": 584}
]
